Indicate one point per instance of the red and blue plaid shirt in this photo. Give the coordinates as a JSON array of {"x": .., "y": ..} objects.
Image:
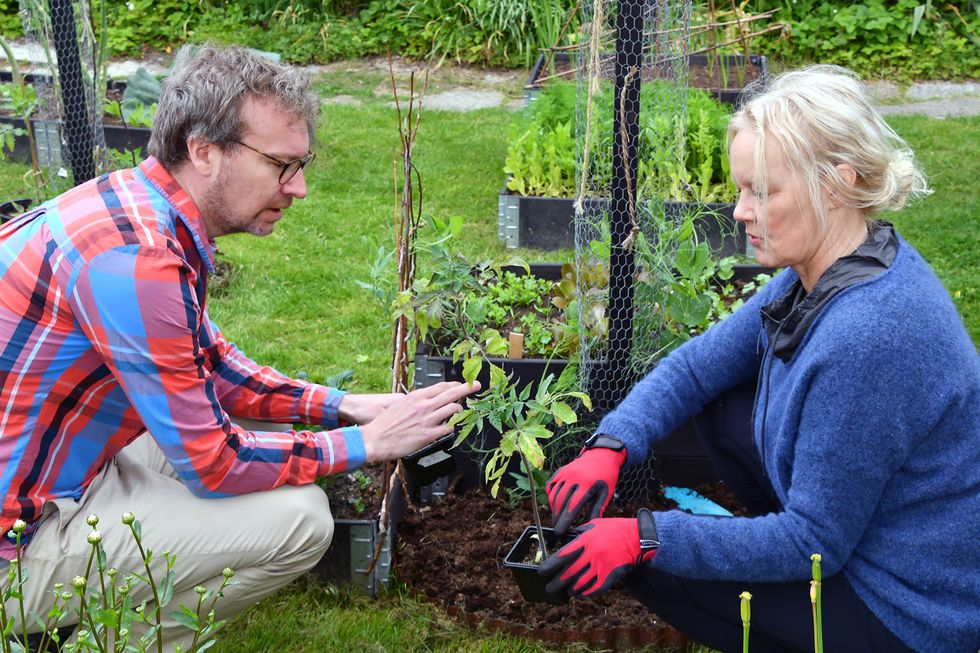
[{"x": 104, "y": 334}]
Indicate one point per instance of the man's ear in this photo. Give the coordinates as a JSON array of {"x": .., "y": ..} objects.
[{"x": 204, "y": 157}]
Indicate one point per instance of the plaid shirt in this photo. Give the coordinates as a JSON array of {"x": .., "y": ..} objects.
[{"x": 104, "y": 334}]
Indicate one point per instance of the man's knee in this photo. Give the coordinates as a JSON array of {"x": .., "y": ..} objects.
[{"x": 313, "y": 524}]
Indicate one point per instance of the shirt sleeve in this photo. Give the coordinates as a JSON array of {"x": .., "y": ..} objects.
[
  {"x": 138, "y": 307},
  {"x": 247, "y": 389}
]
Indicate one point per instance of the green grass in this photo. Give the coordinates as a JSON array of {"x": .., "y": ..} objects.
[{"x": 292, "y": 303}]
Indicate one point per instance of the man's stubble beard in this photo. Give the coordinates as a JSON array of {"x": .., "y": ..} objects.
[{"x": 214, "y": 206}]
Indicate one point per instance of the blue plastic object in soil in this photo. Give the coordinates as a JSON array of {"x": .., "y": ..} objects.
[{"x": 689, "y": 500}]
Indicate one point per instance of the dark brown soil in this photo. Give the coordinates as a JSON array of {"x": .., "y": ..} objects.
[
  {"x": 357, "y": 495},
  {"x": 452, "y": 553}
]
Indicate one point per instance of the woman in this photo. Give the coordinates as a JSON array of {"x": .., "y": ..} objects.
[{"x": 865, "y": 439}]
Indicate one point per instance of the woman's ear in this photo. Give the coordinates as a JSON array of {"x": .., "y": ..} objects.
[{"x": 848, "y": 176}]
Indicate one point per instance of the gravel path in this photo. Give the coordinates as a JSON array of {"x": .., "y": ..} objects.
[{"x": 455, "y": 88}]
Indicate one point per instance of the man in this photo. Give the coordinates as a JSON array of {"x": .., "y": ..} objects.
[{"x": 106, "y": 337}]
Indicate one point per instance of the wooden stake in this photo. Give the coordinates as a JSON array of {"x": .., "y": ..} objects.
[{"x": 516, "y": 345}]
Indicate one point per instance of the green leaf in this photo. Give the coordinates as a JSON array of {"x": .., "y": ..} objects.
[
  {"x": 563, "y": 413},
  {"x": 168, "y": 588},
  {"x": 531, "y": 449},
  {"x": 583, "y": 397},
  {"x": 472, "y": 368},
  {"x": 186, "y": 620},
  {"x": 498, "y": 376}
]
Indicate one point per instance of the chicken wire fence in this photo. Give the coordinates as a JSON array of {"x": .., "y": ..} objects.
[
  {"x": 631, "y": 103},
  {"x": 70, "y": 83}
]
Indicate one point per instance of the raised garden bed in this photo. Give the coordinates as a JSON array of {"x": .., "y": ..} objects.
[
  {"x": 678, "y": 460},
  {"x": 354, "y": 504},
  {"x": 47, "y": 136},
  {"x": 548, "y": 223},
  {"x": 725, "y": 77},
  {"x": 47, "y": 133}
]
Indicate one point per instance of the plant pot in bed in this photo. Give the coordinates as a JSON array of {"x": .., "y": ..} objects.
[
  {"x": 432, "y": 462},
  {"x": 520, "y": 561}
]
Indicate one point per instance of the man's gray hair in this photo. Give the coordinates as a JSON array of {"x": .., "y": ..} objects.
[{"x": 204, "y": 94}]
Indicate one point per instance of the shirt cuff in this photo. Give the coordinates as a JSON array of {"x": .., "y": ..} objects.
[
  {"x": 343, "y": 450},
  {"x": 331, "y": 408}
]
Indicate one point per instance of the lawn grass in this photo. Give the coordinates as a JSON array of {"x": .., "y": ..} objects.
[{"x": 292, "y": 303}]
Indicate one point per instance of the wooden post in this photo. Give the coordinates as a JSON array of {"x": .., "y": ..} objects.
[{"x": 516, "y": 345}]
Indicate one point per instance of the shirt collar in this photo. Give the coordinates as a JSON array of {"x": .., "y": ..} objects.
[{"x": 186, "y": 209}]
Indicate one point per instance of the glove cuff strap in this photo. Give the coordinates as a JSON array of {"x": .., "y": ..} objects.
[
  {"x": 649, "y": 540},
  {"x": 603, "y": 441}
]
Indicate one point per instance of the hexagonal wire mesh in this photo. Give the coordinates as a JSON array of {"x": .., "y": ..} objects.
[
  {"x": 71, "y": 86},
  {"x": 630, "y": 133}
]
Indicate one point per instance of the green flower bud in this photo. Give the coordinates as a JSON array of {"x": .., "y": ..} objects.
[
  {"x": 123, "y": 633},
  {"x": 58, "y": 586},
  {"x": 92, "y": 520},
  {"x": 228, "y": 572},
  {"x": 815, "y": 567},
  {"x": 94, "y": 537},
  {"x": 78, "y": 583},
  {"x": 745, "y": 608},
  {"x": 111, "y": 572},
  {"x": 200, "y": 590},
  {"x": 128, "y": 518},
  {"x": 66, "y": 596},
  {"x": 19, "y": 526}
]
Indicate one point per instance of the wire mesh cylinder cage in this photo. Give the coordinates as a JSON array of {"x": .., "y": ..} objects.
[
  {"x": 70, "y": 85},
  {"x": 631, "y": 102}
]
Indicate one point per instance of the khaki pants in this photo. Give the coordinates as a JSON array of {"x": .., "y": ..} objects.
[{"x": 268, "y": 538}]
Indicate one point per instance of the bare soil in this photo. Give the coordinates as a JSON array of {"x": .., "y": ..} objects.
[{"x": 452, "y": 553}]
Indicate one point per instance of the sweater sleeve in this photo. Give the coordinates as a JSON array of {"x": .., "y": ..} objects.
[
  {"x": 723, "y": 357},
  {"x": 136, "y": 306},
  {"x": 843, "y": 417}
]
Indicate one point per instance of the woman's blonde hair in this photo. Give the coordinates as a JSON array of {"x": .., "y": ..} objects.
[{"x": 821, "y": 118}]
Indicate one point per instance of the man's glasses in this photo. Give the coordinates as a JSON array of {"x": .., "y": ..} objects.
[{"x": 288, "y": 169}]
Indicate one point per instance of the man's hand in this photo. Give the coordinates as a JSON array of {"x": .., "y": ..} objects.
[
  {"x": 411, "y": 421},
  {"x": 605, "y": 552},
  {"x": 590, "y": 478},
  {"x": 362, "y": 408}
]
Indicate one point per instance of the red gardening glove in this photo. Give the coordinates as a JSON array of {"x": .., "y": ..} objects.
[
  {"x": 590, "y": 478},
  {"x": 605, "y": 552}
]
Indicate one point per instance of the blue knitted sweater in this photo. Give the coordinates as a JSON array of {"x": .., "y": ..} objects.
[{"x": 872, "y": 443}]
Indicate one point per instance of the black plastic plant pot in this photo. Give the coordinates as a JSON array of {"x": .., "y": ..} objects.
[
  {"x": 13, "y": 208},
  {"x": 431, "y": 462},
  {"x": 525, "y": 569}
]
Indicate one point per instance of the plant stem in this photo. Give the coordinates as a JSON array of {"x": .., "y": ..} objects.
[
  {"x": 534, "y": 506},
  {"x": 153, "y": 588}
]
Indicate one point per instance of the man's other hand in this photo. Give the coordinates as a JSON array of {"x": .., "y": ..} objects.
[{"x": 411, "y": 421}]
